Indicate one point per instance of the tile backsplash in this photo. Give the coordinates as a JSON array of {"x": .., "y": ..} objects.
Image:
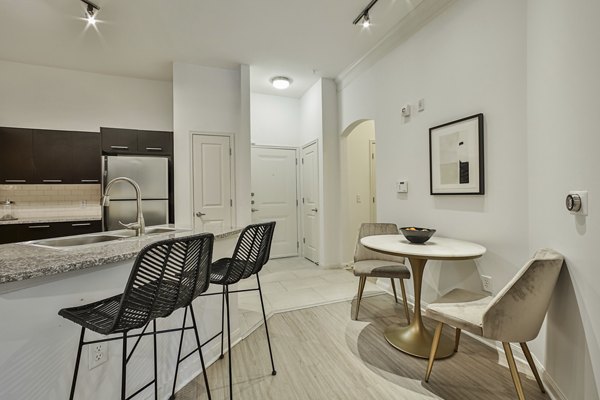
[
  {"x": 24, "y": 195},
  {"x": 39, "y": 201}
]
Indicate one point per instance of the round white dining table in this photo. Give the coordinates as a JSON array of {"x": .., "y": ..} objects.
[{"x": 415, "y": 339}]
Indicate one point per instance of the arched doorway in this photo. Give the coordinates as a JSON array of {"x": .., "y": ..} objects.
[{"x": 358, "y": 182}]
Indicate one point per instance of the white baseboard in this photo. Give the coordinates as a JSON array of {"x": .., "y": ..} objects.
[{"x": 550, "y": 384}]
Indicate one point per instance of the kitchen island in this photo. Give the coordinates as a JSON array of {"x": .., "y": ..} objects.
[{"x": 38, "y": 348}]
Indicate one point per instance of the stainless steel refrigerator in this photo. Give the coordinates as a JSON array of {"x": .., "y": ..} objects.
[{"x": 151, "y": 174}]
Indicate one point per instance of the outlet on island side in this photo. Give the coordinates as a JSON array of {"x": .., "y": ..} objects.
[
  {"x": 98, "y": 354},
  {"x": 486, "y": 280}
]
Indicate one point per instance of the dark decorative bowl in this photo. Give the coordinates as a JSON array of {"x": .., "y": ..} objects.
[{"x": 417, "y": 235}]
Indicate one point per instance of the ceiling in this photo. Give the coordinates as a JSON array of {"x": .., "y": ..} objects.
[{"x": 302, "y": 39}]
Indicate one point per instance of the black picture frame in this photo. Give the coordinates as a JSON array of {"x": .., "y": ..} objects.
[{"x": 456, "y": 157}]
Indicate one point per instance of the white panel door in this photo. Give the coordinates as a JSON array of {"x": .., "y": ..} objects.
[
  {"x": 274, "y": 196},
  {"x": 212, "y": 182},
  {"x": 310, "y": 202}
]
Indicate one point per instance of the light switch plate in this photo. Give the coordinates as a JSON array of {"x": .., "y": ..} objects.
[{"x": 402, "y": 186}]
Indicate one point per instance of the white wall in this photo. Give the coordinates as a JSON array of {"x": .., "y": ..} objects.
[
  {"x": 356, "y": 181},
  {"x": 563, "y": 143},
  {"x": 464, "y": 62},
  {"x": 330, "y": 184},
  {"x": 210, "y": 100},
  {"x": 311, "y": 114},
  {"x": 33, "y": 96},
  {"x": 275, "y": 120}
]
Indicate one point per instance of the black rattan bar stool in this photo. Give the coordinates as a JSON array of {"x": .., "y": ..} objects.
[
  {"x": 167, "y": 275},
  {"x": 251, "y": 253}
]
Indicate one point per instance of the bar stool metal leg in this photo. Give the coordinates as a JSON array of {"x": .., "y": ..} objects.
[
  {"x": 200, "y": 352},
  {"x": 179, "y": 353},
  {"x": 229, "y": 342},
  {"x": 222, "y": 322},
  {"x": 71, "y": 396},
  {"x": 155, "y": 362},
  {"x": 124, "y": 368},
  {"x": 262, "y": 304}
]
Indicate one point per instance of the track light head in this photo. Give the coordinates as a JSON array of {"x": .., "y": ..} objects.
[
  {"x": 364, "y": 15},
  {"x": 366, "y": 21},
  {"x": 91, "y": 11}
]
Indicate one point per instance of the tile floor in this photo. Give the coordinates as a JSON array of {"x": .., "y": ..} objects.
[{"x": 296, "y": 283}]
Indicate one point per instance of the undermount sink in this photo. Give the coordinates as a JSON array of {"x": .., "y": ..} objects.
[
  {"x": 152, "y": 231},
  {"x": 101, "y": 238},
  {"x": 75, "y": 241},
  {"x": 149, "y": 231}
]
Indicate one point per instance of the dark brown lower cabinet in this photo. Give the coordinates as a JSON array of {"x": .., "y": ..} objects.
[
  {"x": 8, "y": 233},
  {"x": 25, "y": 232}
]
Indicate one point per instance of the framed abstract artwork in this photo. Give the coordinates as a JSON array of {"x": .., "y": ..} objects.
[{"x": 456, "y": 157}]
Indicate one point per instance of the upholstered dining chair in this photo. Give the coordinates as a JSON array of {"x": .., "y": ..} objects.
[
  {"x": 369, "y": 263},
  {"x": 514, "y": 315}
]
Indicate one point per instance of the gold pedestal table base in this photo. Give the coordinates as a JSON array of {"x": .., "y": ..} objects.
[{"x": 415, "y": 339}]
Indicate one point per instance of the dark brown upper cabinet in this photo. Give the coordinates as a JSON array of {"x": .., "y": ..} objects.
[
  {"x": 155, "y": 142},
  {"x": 16, "y": 157},
  {"x": 87, "y": 157},
  {"x": 53, "y": 156},
  {"x": 46, "y": 156},
  {"x": 134, "y": 141},
  {"x": 119, "y": 141}
]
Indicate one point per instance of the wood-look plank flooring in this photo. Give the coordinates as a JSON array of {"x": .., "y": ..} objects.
[{"x": 320, "y": 353}]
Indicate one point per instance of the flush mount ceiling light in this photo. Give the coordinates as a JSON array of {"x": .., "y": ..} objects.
[
  {"x": 90, "y": 14},
  {"x": 281, "y": 82},
  {"x": 364, "y": 15}
]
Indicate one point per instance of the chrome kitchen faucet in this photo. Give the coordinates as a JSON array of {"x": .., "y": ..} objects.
[{"x": 139, "y": 226}]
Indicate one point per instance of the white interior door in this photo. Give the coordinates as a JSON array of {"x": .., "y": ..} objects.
[
  {"x": 310, "y": 202},
  {"x": 274, "y": 196},
  {"x": 213, "y": 201},
  {"x": 372, "y": 180}
]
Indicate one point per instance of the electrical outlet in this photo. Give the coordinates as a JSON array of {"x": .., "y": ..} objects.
[
  {"x": 487, "y": 283},
  {"x": 98, "y": 354}
]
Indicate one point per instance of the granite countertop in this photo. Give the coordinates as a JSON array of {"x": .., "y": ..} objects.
[
  {"x": 41, "y": 220},
  {"x": 21, "y": 261}
]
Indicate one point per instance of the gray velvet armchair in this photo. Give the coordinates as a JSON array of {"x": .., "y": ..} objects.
[{"x": 514, "y": 315}]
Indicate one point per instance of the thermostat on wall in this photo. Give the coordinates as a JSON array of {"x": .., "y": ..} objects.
[
  {"x": 577, "y": 202},
  {"x": 402, "y": 186}
]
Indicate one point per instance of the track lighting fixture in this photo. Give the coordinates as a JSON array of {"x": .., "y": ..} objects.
[
  {"x": 364, "y": 15},
  {"x": 281, "y": 82},
  {"x": 90, "y": 14}
]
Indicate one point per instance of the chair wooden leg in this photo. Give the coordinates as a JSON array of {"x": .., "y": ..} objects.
[
  {"x": 405, "y": 301},
  {"x": 456, "y": 339},
  {"x": 361, "y": 287},
  {"x": 394, "y": 289},
  {"x": 532, "y": 366},
  {"x": 513, "y": 370},
  {"x": 434, "y": 346}
]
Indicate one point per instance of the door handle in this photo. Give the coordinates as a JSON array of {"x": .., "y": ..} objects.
[
  {"x": 200, "y": 214},
  {"x": 315, "y": 209},
  {"x": 254, "y": 210}
]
